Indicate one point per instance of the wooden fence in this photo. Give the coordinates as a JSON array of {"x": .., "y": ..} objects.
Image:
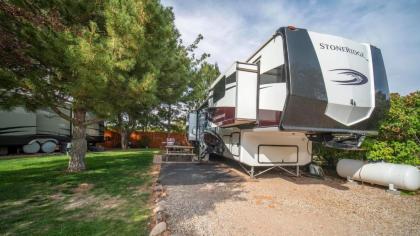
[{"x": 143, "y": 139}]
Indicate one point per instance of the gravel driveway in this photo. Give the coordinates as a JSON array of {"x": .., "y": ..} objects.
[{"x": 217, "y": 199}]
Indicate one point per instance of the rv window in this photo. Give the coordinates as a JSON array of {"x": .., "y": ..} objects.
[
  {"x": 231, "y": 78},
  {"x": 275, "y": 75},
  {"x": 219, "y": 90}
]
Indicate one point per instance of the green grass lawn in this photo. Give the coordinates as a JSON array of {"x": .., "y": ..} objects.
[{"x": 37, "y": 196}]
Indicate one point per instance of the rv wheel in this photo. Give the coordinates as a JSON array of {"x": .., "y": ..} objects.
[
  {"x": 31, "y": 148},
  {"x": 48, "y": 147}
]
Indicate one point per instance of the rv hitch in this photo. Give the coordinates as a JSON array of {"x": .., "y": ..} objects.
[{"x": 347, "y": 141}]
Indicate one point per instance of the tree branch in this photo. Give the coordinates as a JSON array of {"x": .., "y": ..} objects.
[
  {"x": 62, "y": 114},
  {"x": 92, "y": 121}
]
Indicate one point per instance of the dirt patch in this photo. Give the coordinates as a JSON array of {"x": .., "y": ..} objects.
[
  {"x": 83, "y": 187},
  {"x": 56, "y": 197},
  {"x": 111, "y": 203},
  {"x": 82, "y": 198},
  {"x": 101, "y": 203},
  {"x": 210, "y": 203},
  {"x": 80, "y": 201},
  {"x": 265, "y": 200}
]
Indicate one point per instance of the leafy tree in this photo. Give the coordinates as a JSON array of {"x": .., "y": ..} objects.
[
  {"x": 403, "y": 119},
  {"x": 138, "y": 43},
  {"x": 398, "y": 140},
  {"x": 178, "y": 90},
  {"x": 171, "y": 76}
]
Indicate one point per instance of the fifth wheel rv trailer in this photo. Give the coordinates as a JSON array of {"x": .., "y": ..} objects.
[
  {"x": 299, "y": 87},
  {"x": 42, "y": 130}
]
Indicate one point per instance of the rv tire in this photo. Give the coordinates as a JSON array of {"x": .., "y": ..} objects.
[
  {"x": 31, "y": 148},
  {"x": 48, "y": 147}
]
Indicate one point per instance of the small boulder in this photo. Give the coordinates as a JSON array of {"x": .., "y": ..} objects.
[
  {"x": 158, "y": 229},
  {"x": 162, "y": 203},
  {"x": 159, "y": 208},
  {"x": 158, "y": 188},
  {"x": 160, "y": 216},
  {"x": 208, "y": 187}
]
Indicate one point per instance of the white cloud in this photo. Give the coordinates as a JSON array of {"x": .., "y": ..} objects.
[{"x": 232, "y": 30}]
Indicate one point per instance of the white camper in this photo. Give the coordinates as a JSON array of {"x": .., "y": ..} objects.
[
  {"x": 40, "y": 131},
  {"x": 299, "y": 87}
]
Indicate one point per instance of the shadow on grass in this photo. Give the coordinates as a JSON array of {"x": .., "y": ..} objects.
[{"x": 38, "y": 197}]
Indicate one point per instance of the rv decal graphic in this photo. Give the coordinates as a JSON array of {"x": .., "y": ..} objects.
[{"x": 357, "y": 78}]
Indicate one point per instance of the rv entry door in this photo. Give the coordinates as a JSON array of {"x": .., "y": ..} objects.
[{"x": 192, "y": 126}]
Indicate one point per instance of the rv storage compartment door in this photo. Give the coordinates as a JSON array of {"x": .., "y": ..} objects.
[
  {"x": 246, "y": 97},
  {"x": 334, "y": 84},
  {"x": 277, "y": 154}
]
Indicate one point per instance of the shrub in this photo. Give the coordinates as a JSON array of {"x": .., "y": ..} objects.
[
  {"x": 144, "y": 142},
  {"x": 395, "y": 152}
]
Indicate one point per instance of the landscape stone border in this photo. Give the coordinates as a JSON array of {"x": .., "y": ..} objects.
[{"x": 158, "y": 220}]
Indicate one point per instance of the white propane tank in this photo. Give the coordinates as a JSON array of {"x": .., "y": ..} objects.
[{"x": 401, "y": 176}]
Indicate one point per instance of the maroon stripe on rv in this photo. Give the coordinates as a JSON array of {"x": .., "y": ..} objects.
[
  {"x": 268, "y": 117},
  {"x": 222, "y": 115}
]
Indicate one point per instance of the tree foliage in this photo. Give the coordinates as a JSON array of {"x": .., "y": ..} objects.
[
  {"x": 151, "y": 63},
  {"x": 201, "y": 79},
  {"x": 398, "y": 140},
  {"x": 59, "y": 56},
  {"x": 175, "y": 102},
  {"x": 112, "y": 58}
]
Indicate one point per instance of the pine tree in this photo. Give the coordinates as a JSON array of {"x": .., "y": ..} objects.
[
  {"x": 97, "y": 56},
  {"x": 202, "y": 78},
  {"x": 152, "y": 65},
  {"x": 59, "y": 59}
]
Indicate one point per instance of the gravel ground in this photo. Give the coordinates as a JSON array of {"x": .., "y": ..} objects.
[{"x": 217, "y": 199}]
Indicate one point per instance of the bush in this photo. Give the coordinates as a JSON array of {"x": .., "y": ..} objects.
[
  {"x": 395, "y": 152},
  {"x": 144, "y": 142}
]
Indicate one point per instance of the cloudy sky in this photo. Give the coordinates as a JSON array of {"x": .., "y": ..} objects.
[{"x": 232, "y": 30}]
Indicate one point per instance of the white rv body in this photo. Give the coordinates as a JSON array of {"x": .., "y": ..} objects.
[
  {"x": 42, "y": 130},
  {"x": 299, "y": 87}
]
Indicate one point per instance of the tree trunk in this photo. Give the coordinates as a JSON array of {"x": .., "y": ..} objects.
[
  {"x": 123, "y": 132},
  {"x": 78, "y": 143},
  {"x": 124, "y": 138},
  {"x": 169, "y": 118}
]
